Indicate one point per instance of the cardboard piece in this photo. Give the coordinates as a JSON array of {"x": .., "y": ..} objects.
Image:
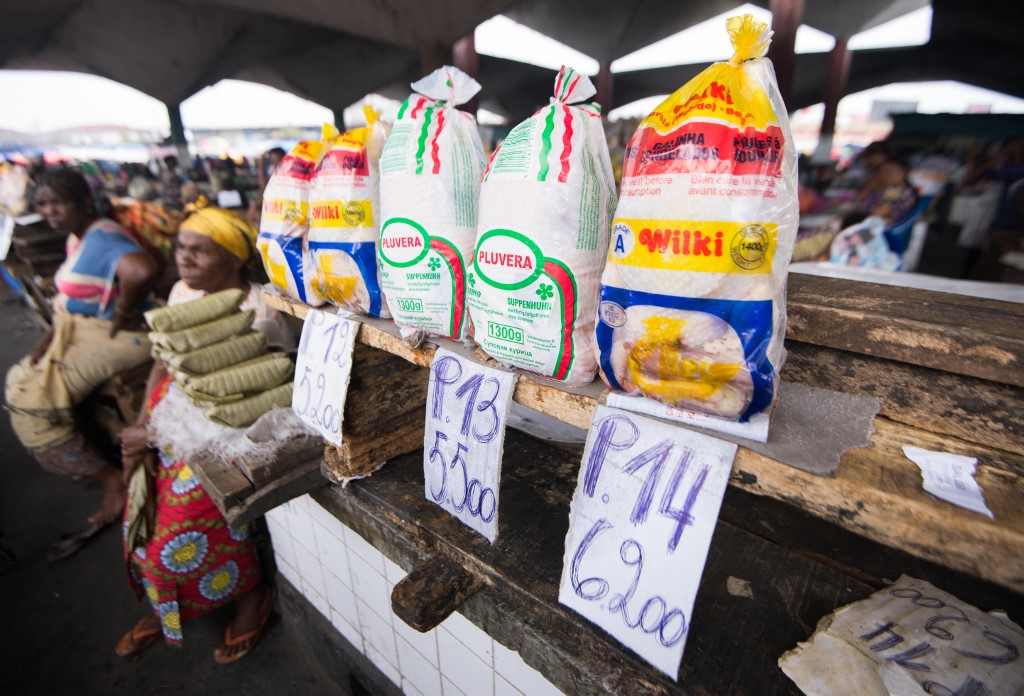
[
  {"x": 909, "y": 639},
  {"x": 811, "y": 427}
]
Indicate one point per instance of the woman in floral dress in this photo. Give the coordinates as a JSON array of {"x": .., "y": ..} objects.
[{"x": 193, "y": 561}]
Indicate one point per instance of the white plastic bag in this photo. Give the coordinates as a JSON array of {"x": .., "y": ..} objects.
[
  {"x": 545, "y": 211},
  {"x": 429, "y": 186},
  {"x": 344, "y": 219},
  {"x": 693, "y": 298}
]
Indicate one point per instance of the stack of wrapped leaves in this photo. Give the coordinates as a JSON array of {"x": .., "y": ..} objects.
[{"x": 218, "y": 361}]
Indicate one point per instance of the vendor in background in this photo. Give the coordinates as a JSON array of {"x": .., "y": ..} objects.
[
  {"x": 193, "y": 562},
  {"x": 98, "y": 331},
  {"x": 171, "y": 180},
  {"x": 888, "y": 195},
  {"x": 268, "y": 164}
]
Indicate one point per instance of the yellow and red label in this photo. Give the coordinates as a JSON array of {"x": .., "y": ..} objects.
[
  {"x": 720, "y": 122},
  {"x": 687, "y": 245}
]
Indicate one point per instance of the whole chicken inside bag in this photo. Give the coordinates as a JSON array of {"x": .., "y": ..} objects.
[
  {"x": 545, "y": 212},
  {"x": 429, "y": 186},
  {"x": 692, "y": 309},
  {"x": 284, "y": 222},
  {"x": 344, "y": 219}
]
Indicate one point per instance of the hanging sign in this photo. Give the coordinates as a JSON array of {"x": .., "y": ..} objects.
[
  {"x": 640, "y": 525},
  {"x": 322, "y": 372},
  {"x": 467, "y": 408}
]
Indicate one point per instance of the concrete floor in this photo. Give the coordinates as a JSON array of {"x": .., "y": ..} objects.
[{"x": 59, "y": 622}]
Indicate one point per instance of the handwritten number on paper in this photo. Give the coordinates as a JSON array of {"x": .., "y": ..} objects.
[
  {"x": 653, "y": 615},
  {"x": 910, "y": 658},
  {"x": 322, "y": 372},
  {"x": 463, "y": 448}
]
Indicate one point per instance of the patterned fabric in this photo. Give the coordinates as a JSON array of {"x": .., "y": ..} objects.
[
  {"x": 85, "y": 281},
  {"x": 193, "y": 562}
]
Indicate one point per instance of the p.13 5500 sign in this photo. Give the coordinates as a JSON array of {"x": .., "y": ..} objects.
[{"x": 467, "y": 404}]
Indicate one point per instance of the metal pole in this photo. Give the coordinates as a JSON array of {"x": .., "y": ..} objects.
[
  {"x": 786, "y": 18},
  {"x": 835, "y": 85},
  {"x": 178, "y": 135},
  {"x": 466, "y": 59}
]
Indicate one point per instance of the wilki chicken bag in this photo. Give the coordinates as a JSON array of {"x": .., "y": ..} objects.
[
  {"x": 429, "y": 185},
  {"x": 285, "y": 220},
  {"x": 344, "y": 218},
  {"x": 692, "y": 309},
  {"x": 546, "y": 203}
]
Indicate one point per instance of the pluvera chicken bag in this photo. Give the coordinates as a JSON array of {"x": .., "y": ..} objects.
[
  {"x": 344, "y": 219},
  {"x": 545, "y": 211},
  {"x": 692, "y": 309},
  {"x": 284, "y": 223},
  {"x": 429, "y": 185}
]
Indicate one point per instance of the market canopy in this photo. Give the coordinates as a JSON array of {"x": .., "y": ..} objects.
[{"x": 334, "y": 53}]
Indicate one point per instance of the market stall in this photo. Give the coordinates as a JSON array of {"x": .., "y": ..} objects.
[
  {"x": 760, "y": 449},
  {"x": 779, "y": 533}
]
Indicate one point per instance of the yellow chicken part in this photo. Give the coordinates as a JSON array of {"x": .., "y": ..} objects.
[{"x": 658, "y": 367}]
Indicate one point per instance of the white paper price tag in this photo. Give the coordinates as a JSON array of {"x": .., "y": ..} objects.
[
  {"x": 322, "y": 372},
  {"x": 640, "y": 526},
  {"x": 467, "y": 408}
]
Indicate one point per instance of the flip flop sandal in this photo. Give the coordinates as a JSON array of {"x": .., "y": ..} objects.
[
  {"x": 138, "y": 639},
  {"x": 70, "y": 543},
  {"x": 253, "y": 636}
]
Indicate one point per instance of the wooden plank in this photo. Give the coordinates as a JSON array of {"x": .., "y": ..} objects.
[
  {"x": 225, "y": 484},
  {"x": 302, "y": 479},
  {"x": 293, "y": 453},
  {"x": 971, "y": 409},
  {"x": 953, "y": 333},
  {"x": 361, "y": 455},
  {"x": 877, "y": 491},
  {"x": 965, "y": 336},
  {"x": 431, "y": 592}
]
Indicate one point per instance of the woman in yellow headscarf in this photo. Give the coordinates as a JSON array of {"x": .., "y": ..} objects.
[{"x": 192, "y": 561}]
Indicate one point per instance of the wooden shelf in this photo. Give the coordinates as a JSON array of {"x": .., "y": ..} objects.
[{"x": 948, "y": 370}]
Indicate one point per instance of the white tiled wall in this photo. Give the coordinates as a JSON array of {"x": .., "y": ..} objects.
[{"x": 350, "y": 582}]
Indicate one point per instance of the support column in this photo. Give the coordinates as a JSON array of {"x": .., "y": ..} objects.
[
  {"x": 433, "y": 56},
  {"x": 339, "y": 119},
  {"x": 466, "y": 59},
  {"x": 605, "y": 84},
  {"x": 786, "y": 18},
  {"x": 178, "y": 136},
  {"x": 835, "y": 85}
]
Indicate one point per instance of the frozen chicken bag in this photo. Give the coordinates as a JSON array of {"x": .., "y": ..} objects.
[
  {"x": 429, "y": 186},
  {"x": 546, "y": 203},
  {"x": 692, "y": 310},
  {"x": 344, "y": 217},
  {"x": 285, "y": 220}
]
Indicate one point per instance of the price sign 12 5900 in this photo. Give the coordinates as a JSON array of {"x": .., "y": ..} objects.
[
  {"x": 467, "y": 407},
  {"x": 322, "y": 372}
]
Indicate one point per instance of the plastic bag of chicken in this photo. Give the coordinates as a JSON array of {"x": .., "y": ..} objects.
[
  {"x": 692, "y": 310},
  {"x": 284, "y": 223},
  {"x": 345, "y": 219}
]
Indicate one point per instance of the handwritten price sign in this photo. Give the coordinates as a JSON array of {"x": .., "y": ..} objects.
[
  {"x": 467, "y": 407},
  {"x": 639, "y": 530},
  {"x": 322, "y": 372}
]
